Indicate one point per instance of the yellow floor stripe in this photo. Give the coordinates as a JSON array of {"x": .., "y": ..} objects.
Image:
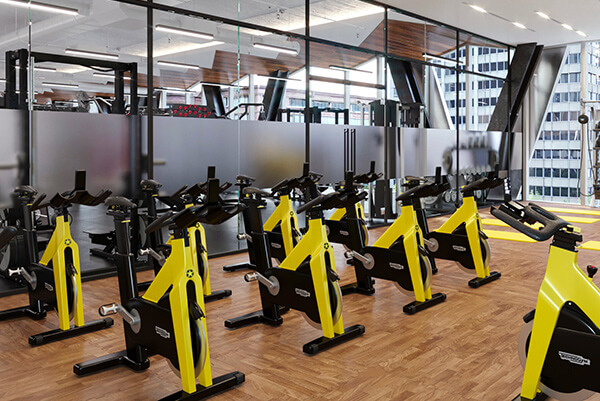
[
  {"x": 570, "y": 219},
  {"x": 508, "y": 236},
  {"x": 591, "y": 245},
  {"x": 588, "y": 211}
]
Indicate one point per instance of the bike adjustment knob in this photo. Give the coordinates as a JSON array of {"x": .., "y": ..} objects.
[{"x": 592, "y": 270}]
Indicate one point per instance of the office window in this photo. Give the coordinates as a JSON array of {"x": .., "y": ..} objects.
[
  {"x": 564, "y": 192},
  {"x": 573, "y": 192},
  {"x": 555, "y": 191},
  {"x": 547, "y": 191}
]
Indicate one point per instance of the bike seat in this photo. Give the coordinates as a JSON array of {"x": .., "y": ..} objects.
[
  {"x": 255, "y": 191},
  {"x": 150, "y": 185},
  {"x": 6, "y": 235},
  {"x": 25, "y": 190},
  {"x": 119, "y": 201},
  {"x": 241, "y": 179},
  {"x": 368, "y": 177}
]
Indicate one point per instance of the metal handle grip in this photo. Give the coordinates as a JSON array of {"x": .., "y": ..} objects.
[
  {"x": 149, "y": 251},
  {"x": 131, "y": 318}
]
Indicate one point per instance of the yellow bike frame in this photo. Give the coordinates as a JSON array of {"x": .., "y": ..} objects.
[
  {"x": 339, "y": 214},
  {"x": 60, "y": 243},
  {"x": 284, "y": 214},
  {"x": 469, "y": 215},
  {"x": 178, "y": 270},
  {"x": 315, "y": 244},
  {"x": 406, "y": 226},
  {"x": 564, "y": 281}
]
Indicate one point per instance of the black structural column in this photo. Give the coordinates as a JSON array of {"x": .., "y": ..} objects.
[
  {"x": 307, "y": 87},
  {"x": 150, "y": 91},
  {"x": 457, "y": 203}
]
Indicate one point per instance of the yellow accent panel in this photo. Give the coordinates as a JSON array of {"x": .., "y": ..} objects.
[
  {"x": 591, "y": 245},
  {"x": 587, "y": 211},
  {"x": 508, "y": 236},
  {"x": 284, "y": 214}
]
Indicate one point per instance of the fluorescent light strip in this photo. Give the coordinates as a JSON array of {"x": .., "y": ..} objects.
[
  {"x": 59, "y": 85},
  {"x": 519, "y": 25},
  {"x": 440, "y": 58},
  {"x": 47, "y": 69},
  {"x": 178, "y": 65},
  {"x": 174, "y": 90},
  {"x": 280, "y": 78},
  {"x": 349, "y": 69},
  {"x": 107, "y": 75},
  {"x": 87, "y": 53},
  {"x": 34, "y": 5},
  {"x": 274, "y": 48},
  {"x": 184, "y": 32},
  {"x": 567, "y": 27},
  {"x": 581, "y": 33},
  {"x": 222, "y": 85},
  {"x": 543, "y": 15},
  {"x": 477, "y": 8}
]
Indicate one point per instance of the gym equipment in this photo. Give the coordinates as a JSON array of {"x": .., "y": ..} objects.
[
  {"x": 337, "y": 224},
  {"x": 461, "y": 238},
  {"x": 399, "y": 254},
  {"x": 282, "y": 226},
  {"x": 185, "y": 198},
  {"x": 54, "y": 282},
  {"x": 306, "y": 280},
  {"x": 169, "y": 319},
  {"x": 558, "y": 345}
]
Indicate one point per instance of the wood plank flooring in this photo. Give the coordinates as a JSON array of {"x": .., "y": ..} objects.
[{"x": 463, "y": 349}]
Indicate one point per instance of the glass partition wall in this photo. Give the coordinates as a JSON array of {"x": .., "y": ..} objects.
[{"x": 253, "y": 87}]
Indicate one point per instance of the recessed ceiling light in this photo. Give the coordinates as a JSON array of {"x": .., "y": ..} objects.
[
  {"x": 567, "y": 26},
  {"x": 178, "y": 65},
  {"x": 87, "y": 53},
  {"x": 519, "y": 25},
  {"x": 581, "y": 33},
  {"x": 59, "y": 85},
  {"x": 543, "y": 15},
  {"x": 34, "y": 5},
  {"x": 2, "y": 81},
  {"x": 184, "y": 32},
  {"x": 274, "y": 48},
  {"x": 477, "y": 8},
  {"x": 108, "y": 75}
]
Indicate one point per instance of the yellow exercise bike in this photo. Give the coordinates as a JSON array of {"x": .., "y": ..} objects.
[
  {"x": 559, "y": 345},
  {"x": 54, "y": 282},
  {"x": 169, "y": 319},
  {"x": 461, "y": 238},
  {"x": 306, "y": 280}
]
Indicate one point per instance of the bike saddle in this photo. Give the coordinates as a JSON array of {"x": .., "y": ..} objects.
[
  {"x": 6, "y": 235},
  {"x": 244, "y": 179},
  {"x": 255, "y": 191},
  {"x": 119, "y": 202},
  {"x": 368, "y": 177},
  {"x": 150, "y": 185},
  {"x": 25, "y": 190},
  {"x": 521, "y": 218}
]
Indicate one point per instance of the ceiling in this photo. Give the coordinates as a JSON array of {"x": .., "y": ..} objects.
[
  {"x": 581, "y": 15},
  {"x": 117, "y": 28}
]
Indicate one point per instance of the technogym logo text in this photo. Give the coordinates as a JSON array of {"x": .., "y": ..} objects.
[
  {"x": 574, "y": 359},
  {"x": 302, "y": 293},
  {"x": 162, "y": 332}
]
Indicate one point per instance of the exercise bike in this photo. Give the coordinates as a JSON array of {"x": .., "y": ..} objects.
[
  {"x": 169, "y": 319},
  {"x": 558, "y": 345},
  {"x": 306, "y": 280},
  {"x": 184, "y": 198},
  {"x": 282, "y": 226},
  {"x": 54, "y": 283},
  {"x": 461, "y": 238},
  {"x": 399, "y": 254},
  {"x": 337, "y": 224}
]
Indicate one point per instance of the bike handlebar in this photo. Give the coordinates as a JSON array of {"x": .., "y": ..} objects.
[{"x": 515, "y": 215}]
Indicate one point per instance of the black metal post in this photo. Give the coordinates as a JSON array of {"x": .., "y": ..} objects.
[
  {"x": 457, "y": 203},
  {"x": 307, "y": 88},
  {"x": 150, "y": 90},
  {"x": 119, "y": 106}
]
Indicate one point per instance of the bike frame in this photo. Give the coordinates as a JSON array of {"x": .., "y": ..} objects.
[
  {"x": 60, "y": 245},
  {"x": 563, "y": 282},
  {"x": 284, "y": 214},
  {"x": 178, "y": 271},
  {"x": 315, "y": 244}
]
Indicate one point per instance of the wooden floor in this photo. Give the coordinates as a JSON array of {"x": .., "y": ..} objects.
[{"x": 463, "y": 349}]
